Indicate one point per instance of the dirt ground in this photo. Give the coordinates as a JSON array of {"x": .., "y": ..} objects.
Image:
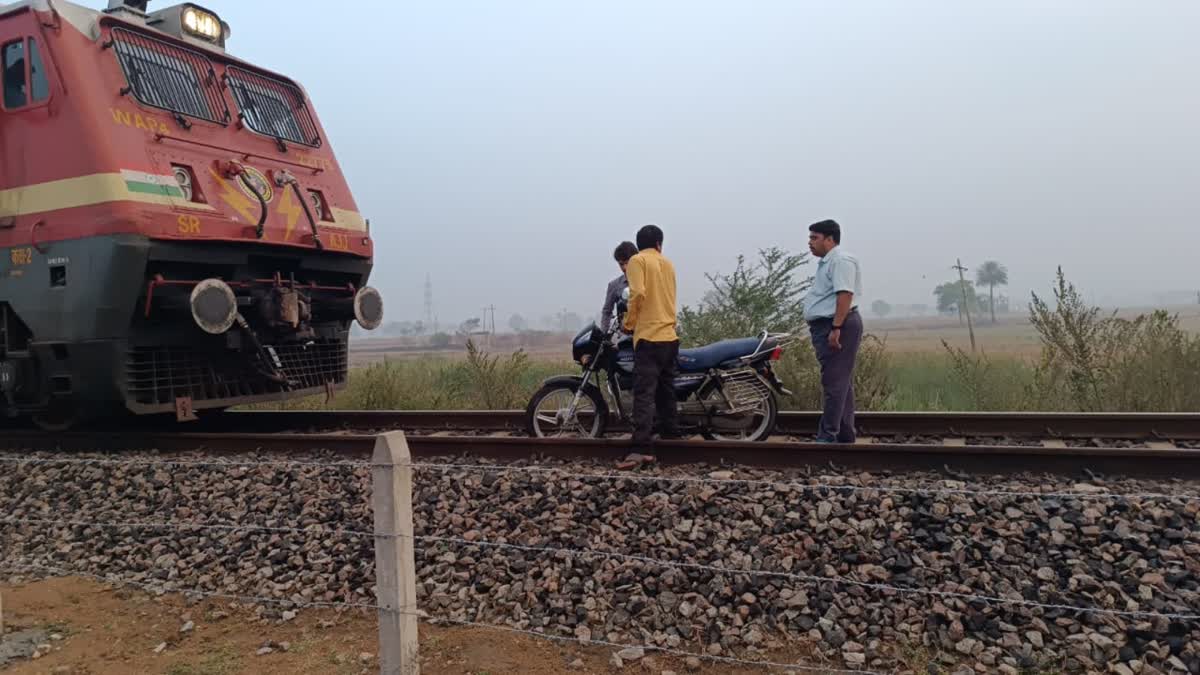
[{"x": 109, "y": 631}]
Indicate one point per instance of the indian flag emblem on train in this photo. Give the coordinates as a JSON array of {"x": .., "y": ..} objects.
[
  {"x": 151, "y": 184},
  {"x": 253, "y": 178}
]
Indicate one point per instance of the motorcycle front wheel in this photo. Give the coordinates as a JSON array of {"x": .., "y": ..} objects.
[
  {"x": 752, "y": 425},
  {"x": 546, "y": 415}
]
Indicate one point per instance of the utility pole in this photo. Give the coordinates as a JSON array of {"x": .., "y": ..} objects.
[
  {"x": 492, "y": 329},
  {"x": 962, "y": 280},
  {"x": 430, "y": 319}
]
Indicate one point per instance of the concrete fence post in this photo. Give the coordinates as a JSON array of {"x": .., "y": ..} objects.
[{"x": 395, "y": 566}]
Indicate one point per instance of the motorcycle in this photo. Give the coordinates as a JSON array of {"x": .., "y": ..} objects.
[{"x": 725, "y": 391}]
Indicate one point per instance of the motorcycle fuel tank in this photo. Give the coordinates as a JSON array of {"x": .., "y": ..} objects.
[{"x": 586, "y": 342}]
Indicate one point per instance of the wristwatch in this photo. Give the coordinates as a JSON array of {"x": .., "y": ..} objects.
[{"x": 836, "y": 327}]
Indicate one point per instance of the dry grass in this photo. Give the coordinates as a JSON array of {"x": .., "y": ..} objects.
[
  {"x": 926, "y": 365},
  {"x": 1012, "y": 335}
]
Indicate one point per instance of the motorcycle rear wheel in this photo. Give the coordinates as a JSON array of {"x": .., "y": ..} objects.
[
  {"x": 544, "y": 416},
  {"x": 760, "y": 428}
]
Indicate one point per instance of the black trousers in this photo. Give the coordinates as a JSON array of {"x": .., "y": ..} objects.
[
  {"x": 654, "y": 369},
  {"x": 837, "y": 377}
]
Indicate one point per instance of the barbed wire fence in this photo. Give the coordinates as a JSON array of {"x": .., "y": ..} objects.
[
  {"x": 394, "y": 544},
  {"x": 395, "y": 570}
]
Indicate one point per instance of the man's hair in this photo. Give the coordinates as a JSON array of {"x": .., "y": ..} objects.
[
  {"x": 649, "y": 237},
  {"x": 829, "y": 228},
  {"x": 625, "y": 250}
]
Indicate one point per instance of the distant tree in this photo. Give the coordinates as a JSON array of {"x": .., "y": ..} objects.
[
  {"x": 439, "y": 340},
  {"x": 881, "y": 308},
  {"x": 470, "y": 326},
  {"x": 517, "y": 323},
  {"x": 397, "y": 328},
  {"x": 568, "y": 322},
  {"x": 992, "y": 274},
  {"x": 1003, "y": 304},
  {"x": 950, "y": 297}
]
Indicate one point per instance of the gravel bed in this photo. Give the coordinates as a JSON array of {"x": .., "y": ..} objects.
[{"x": 1129, "y": 554}]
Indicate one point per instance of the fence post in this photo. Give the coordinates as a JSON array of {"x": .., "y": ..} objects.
[{"x": 395, "y": 568}]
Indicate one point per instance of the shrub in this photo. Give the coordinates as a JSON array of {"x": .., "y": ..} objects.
[
  {"x": 767, "y": 295},
  {"x": 987, "y": 384},
  {"x": 492, "y": 382},
  {"x": 1094, "y": 362}
]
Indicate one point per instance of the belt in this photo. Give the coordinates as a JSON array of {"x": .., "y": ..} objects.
[{"x": 829, "y": 319}]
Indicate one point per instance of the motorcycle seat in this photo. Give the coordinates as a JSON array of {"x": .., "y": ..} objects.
[{"x": 711, "y": 356}]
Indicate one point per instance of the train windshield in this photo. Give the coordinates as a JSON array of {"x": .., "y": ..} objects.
[
  {"x": 272, "y": 107},
  {"x": 164, "y": 76}
]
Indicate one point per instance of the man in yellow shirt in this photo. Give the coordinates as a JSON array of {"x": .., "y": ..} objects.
[{"x": 651, "y": 318}]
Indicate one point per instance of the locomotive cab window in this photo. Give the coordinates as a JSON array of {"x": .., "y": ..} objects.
[
  {"x": 272, "y": 108},
  {"x": 24, "y": 75},
  {"x": 14, "y": 74},
  {"x": 162, "y": 75}
]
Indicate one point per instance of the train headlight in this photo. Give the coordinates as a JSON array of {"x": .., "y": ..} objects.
[
  {"x": 214, "y": 306},
  {"x": 368, "y": 308},
  {"x": 202, "y": 24}
]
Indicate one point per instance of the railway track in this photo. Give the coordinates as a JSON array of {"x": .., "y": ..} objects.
[
  {"x": 944, "y": 442},
  {"x": 1160, "y": 428}
]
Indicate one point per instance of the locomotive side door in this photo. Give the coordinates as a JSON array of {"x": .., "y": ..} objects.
[
  {"x": 24, "y": 101},
  {"x": 25, "y": 97}
]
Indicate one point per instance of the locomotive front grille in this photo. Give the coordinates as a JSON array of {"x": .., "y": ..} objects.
[{"x": 156, "y": 376}]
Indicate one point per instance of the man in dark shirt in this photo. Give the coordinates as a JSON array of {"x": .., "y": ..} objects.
[{"x": 612, "y": 295}]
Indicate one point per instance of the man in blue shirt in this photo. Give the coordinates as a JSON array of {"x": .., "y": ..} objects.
[{"x": 831, "y": 309}]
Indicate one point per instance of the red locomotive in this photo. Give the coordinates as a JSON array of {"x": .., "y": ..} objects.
[{"x": 175, "y": 233}]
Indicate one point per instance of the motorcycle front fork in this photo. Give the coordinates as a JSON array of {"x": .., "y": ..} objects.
[{"x": 570, "y": 414}]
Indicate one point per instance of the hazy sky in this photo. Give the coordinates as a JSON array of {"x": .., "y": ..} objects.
[{"x": 505, "y": 147}]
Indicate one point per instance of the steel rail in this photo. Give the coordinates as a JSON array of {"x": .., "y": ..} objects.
[
  {"x": 1130, "y": 426},
  {"x": 977, "y": 459}
]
